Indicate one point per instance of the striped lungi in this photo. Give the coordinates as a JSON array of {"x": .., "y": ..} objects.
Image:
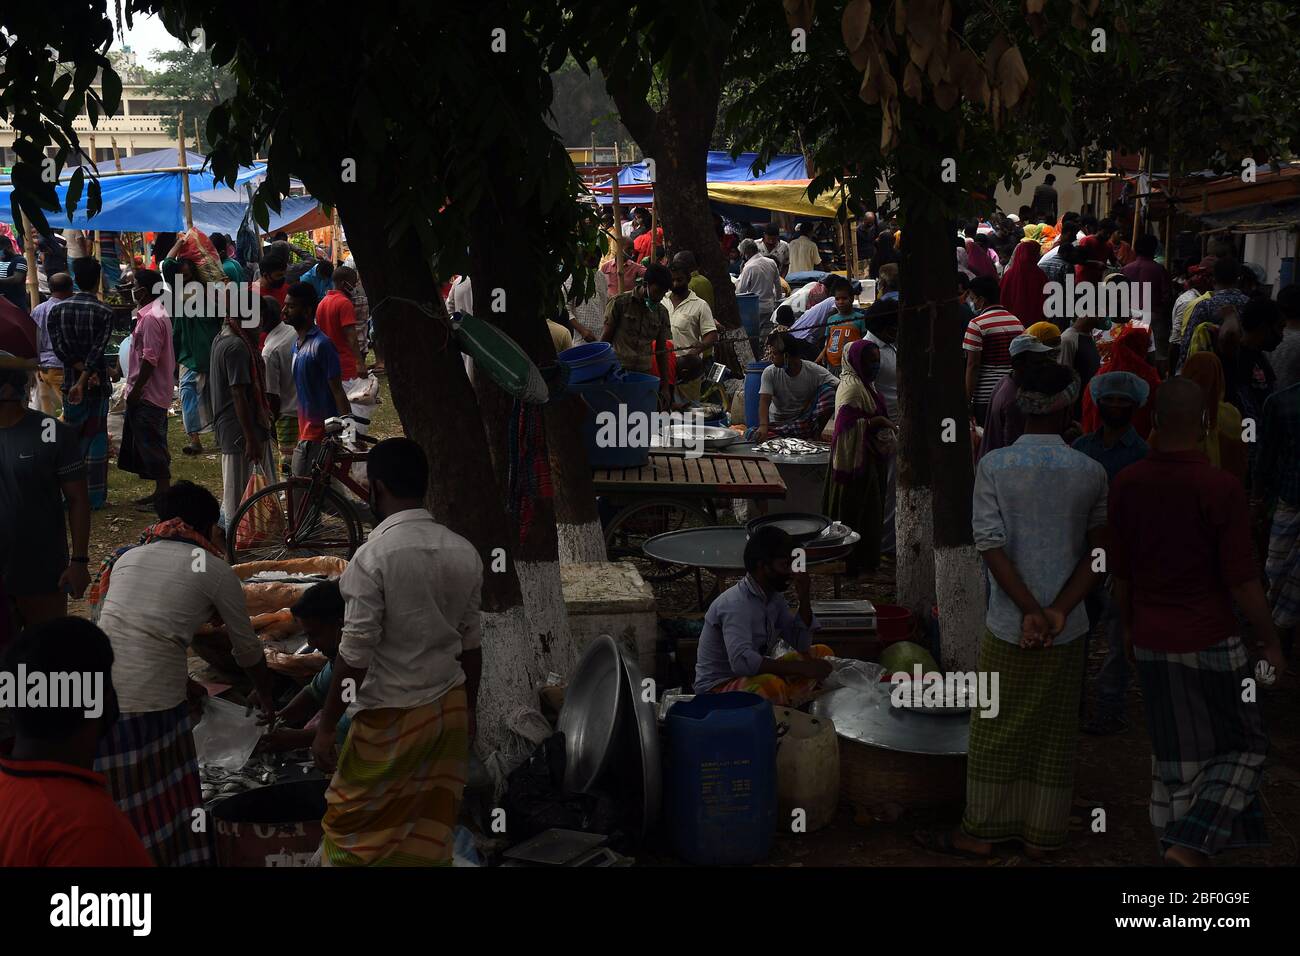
[
  {"x": 1207, "y": 748},
  {"x": 286, "y": 440},
  {"x": 1283, "y": 565},
  {"x": 1020, "y": 764},
  {"x": 89, "y": 419},
  {"x": 144, "y": 442},
  {"x": 153, "y": 774},
  {"x": 397, "y": 789}
]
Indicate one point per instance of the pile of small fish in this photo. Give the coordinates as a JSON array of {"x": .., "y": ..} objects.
[
  {"x": 216, "y": 782},
  {"x": 791, "y": 447}
]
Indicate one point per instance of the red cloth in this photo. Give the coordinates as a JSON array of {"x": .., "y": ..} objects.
[
  {"x": 1180, "y": 535},
  {"x": 1128, "y": 353},
  {"x": 672, "y": 363},
  {"x": 334, "y": 316},
  {"x": 1023, "y": 285},
  {"x": 1096, "y": 254},
  {"x": 17, "y": 331},
  {"x": 641, "y": 245},
  {"x": 979, "y": 261},
  {"x": 55, "y": 814}
]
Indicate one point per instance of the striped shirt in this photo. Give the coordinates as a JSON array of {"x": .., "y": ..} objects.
[{"x": 990, "y": 333}]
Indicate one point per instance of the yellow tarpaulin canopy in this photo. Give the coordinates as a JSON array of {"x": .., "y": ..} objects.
[{"x": 791, "y": 197}]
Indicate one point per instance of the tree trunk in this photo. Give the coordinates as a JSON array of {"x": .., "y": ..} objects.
[
  {"x": 438, "y": 409},
  {"x": 935, "y": 450}
]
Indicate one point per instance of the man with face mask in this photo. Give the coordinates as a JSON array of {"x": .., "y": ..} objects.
[
  {"x": 1115, "y": 446},
  {"x": 42, "y": 469},
  {"x": 744, "y": 623},
  {"x": 409, "y": 660},
  {"x": 54, "y": 809},
  {"x": 317, "y": 375}
]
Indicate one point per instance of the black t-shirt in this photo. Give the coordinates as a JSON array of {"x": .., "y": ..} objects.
[{"x": 35, "y": 459}]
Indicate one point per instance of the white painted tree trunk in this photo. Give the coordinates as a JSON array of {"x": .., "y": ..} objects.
[
  {"x": 521, "y": 647},
  {"x": 959, "y": 580},
  {"x": 581, "y": 543},
  {"x": 914, "y": 534}
]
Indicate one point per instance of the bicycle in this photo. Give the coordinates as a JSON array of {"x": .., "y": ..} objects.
[{"x": 314, "y": 517}]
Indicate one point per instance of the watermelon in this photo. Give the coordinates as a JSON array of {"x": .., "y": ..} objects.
[{"x": 903, "y": 655}]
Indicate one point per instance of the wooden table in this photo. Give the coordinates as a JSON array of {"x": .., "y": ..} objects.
[{"x": 715, "y": 475}]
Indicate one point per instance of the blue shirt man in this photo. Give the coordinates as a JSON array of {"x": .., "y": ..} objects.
[{"x": 1115, "y": 445}]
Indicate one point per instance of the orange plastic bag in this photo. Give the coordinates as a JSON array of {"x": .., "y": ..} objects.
[
  {"x": 198, "y": 248},
  {"x": 262, "y": 523}
]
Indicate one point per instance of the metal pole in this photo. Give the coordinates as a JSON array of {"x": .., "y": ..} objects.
[
  {"x": 183, "y": 161},
  {"x": 618, "y": 225}
]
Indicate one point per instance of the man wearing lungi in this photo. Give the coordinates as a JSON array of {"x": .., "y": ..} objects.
[
  {"x": 79, "y": 328},
  {"x": 1039, "y": 517},
  {"x": 409, "y": 659},
  {"x": 1181, "y": 557}
]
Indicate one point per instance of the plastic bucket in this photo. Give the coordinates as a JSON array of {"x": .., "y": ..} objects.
[
  {"x": 617, "y": 428},
  {"x": 278, "y": 825},
  {"x": 589, "y": 362},
  {"x": 753, "y": 379},
  {"x": 893, "y": 623},
  {"x": 747, "y": 302}
]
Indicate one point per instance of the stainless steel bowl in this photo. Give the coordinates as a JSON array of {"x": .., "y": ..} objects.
[{"x": 593, "y": 707}]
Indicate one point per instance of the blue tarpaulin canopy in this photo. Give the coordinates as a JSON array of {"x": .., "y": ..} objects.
[{"x": 147, "y": 200}]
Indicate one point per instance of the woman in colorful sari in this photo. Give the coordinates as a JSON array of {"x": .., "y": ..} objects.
[
  {"x": 1128, "y": 353},
  {"x": 1024, "y": 284},
  {"x": 862, "y": 442},
  {"x": 1222, "y": 442}
]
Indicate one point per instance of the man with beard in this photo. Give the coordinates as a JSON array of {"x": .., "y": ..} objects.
[
  {"x": 694, "y": 332},
  {"x": 409, "y": 659},
  {"x": 1114, "y": 446},
  {"x": 745, "y": 621}
]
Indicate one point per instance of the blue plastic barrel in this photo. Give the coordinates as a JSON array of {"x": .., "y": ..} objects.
[
  {"x": 720, "y": 778},
  {"x": 753, "y": 379},
  {"x": 589, "y": 362},
  {"x": 617, "y": 429},
  {"x": 747, "y": 302}
]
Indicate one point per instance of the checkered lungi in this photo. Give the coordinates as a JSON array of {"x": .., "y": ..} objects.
[
  {"x": 1207, "y": 748},
  {"x": 89, "y": 419},
  {"x": 1283, "y": 565},
  {"x": 144, "y": 442},
  {"x": 1020, "y": 764},
  {"x": 153, "y": 774}
]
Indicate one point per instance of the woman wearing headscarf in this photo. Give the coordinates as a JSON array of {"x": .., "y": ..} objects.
[
  {"x": 1024, "y": 285},
  {"x": 861, "y": 444},
  {"x": 1222, "y": 442},
  {"x": 978, "y": 258},
  {"x": 1128, "y": 353}
]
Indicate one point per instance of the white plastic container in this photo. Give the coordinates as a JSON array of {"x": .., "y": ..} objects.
[{"x": 807, "y": 768}]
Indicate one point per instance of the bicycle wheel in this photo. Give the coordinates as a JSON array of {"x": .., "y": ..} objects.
[
  {"x": 634, "y": 525},
  {"x": 314, "y": 520}
]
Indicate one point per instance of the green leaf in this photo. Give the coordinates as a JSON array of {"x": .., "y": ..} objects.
[{"x": 73, "y": 195}]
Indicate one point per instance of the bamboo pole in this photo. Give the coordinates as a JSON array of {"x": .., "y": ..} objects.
[
  {"x": 1144, "y": 163},
  {"x": 183, "y": 161},
  {"x": 29, "y": 253},
  {"x": 94, "y": 156},
  {"x": 198, "y": 140},
  {"x": 853, "y": 233},
  {"x": 618, "y": 225}
]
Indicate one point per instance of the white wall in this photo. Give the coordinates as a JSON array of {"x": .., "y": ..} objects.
[
  {"x": 1069, "y": 193},
  {"x": 1268, "y": 249}
]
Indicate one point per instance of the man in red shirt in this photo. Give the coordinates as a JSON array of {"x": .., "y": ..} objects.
[
  {"x": 1094, "y": 249},
  {"x": 54, "y": 810},
  {"x": 337, "y": 318},
  {"x": 1181, "y": 555}
]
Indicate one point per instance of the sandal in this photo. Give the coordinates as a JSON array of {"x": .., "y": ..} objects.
[
  {"x": 940, "y": 841},
  {"x": 192, "y": 449}
]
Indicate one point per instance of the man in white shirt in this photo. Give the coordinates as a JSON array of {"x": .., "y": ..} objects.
[
  {"x": 761, "y": 276},
  {"x": 461, "y": 296},
  {"x": 804, "y": 254},
  {"x": 409, "y": 658},
  {"x": 776, "y": 248},
  {"x": 281, "y": 394},
  {"x": 795, "y": 398},
  {"x": 154, "y": 598},
  {"x": 694, "y": 332}
]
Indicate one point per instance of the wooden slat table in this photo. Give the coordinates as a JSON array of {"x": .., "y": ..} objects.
[{"x": 715, "y": 475}]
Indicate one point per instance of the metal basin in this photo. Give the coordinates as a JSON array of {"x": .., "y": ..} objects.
[
  {"x": 647, "y": 728},
  {"x": 803, "y": 528},
  {"x": 593, "y": 705},
  {"x": 866, "y": 715},
  {"x": 708, "y": 437}
]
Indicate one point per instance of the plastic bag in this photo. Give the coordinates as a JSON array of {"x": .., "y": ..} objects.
[
  {"x": 265, "y": 521},
  {"x": 198, "y": 249},
  {"x": 226, "y": 736}
]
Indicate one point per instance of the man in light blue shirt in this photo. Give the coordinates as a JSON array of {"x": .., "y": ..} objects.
[
  {"x": 744, "y": 623},
  {"x": 1039, "y": 516}
]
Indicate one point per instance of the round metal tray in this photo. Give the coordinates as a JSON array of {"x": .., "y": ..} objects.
[
  {"x": 804, "y": 528},
  {"x": 647, "y": 727},
  {"x": 711, "y": 437},
  {"x": 722, "y": 548},
  {"x": 589, "y": 720},
  {"x": 868, "y": 717}
]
